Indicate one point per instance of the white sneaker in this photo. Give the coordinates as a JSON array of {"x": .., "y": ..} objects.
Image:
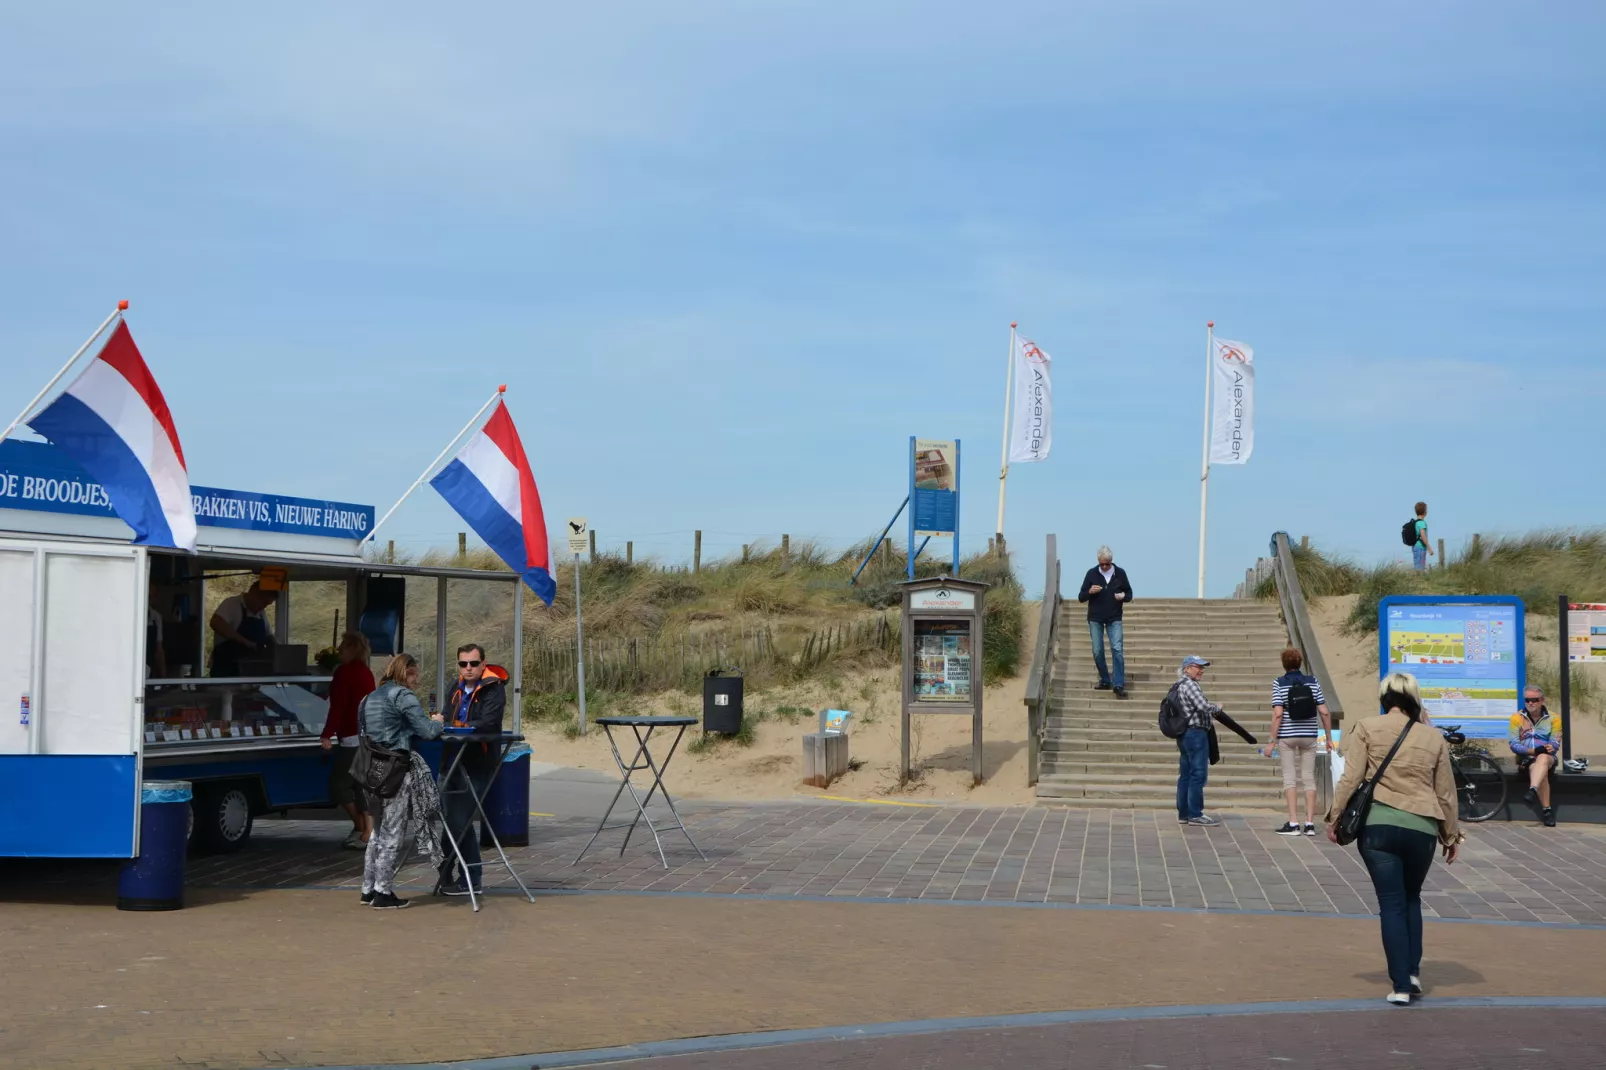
[
  {"x": 1205, "y": 820},
  {"x": 1399, "y": 999},
  {"x": 1416, "y": 985}
]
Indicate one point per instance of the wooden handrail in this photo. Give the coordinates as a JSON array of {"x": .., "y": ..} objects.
[
  {"x": 1301, "y": 633},
  {"x": 1039, "y": 679}
]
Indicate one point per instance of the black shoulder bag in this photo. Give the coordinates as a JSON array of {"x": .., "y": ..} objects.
[
  {"x": 377, "y": 769},
  {"x": 1352, "y": 822}
]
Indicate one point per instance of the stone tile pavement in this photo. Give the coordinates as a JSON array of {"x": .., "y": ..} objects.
[{"x": 1508, "y": 872}]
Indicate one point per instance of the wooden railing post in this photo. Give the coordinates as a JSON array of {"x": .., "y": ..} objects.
[
  {"x": 630, "y": 552},
  {"x": 462, "y": 546},
  {"x": 697, "y": 552}
]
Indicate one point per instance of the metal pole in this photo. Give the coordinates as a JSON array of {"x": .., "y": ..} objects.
[
  {"x": 1003, "y": 463},
  {"x": 879, "y": 540},
  {"x": 122, "y": 306},
  {"x": 475, "y": 419},
  {"x": 440, "y": 640},
  {"x": 579, "y": 646},
  {"x": 1566, "y": 696},
  {"x": 518, "y": 657},
  {"x": 1204, "y": 474}
]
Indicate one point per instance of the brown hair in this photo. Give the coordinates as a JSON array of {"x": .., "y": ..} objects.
[
  {"x": 1293, "y": 659},
  {"x": 1421, "y": 508},
  {"x": 358, "y": 642},
  {"x": 397, "y": 669}
]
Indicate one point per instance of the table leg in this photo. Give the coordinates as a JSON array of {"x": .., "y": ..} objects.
[
  {"x": 625, "y": 779},
  {"x": 446, "y": 789},
  {"x": 659, "y": 785},
  {"x": 479, "y": 808}
]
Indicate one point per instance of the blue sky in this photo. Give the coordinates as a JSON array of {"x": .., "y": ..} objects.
[{"x": 729, "y": 256}]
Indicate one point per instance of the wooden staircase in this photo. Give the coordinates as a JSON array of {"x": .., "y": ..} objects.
[{"x": 1102, "y": 751}]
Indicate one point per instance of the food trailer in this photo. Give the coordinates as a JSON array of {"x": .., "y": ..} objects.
[{"x": 103, "y": 657}]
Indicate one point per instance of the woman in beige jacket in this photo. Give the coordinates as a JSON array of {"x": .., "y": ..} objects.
[{"x": 1413, "y": 811}]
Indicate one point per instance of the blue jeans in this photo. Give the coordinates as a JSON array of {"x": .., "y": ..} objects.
[
  {"x": 1419, "y": 557},
  {"x": 1193, "y": 769},
  {"x": 1398, "y": 860},
  {"x": 1098, "y": 630}
]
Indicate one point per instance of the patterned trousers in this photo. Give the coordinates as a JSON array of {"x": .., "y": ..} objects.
[{"x": 412, "y": 813}]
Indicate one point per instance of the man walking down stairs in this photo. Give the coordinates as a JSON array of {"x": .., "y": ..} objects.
[
  {"x": 1100, "y": 751},
  {"x": 1106, "y": 590}
]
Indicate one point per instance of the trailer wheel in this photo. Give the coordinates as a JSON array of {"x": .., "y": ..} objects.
[{"x": 222, "y": 818}]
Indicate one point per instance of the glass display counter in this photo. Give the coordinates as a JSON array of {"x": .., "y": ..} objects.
[{"x": 244, "y": 711}]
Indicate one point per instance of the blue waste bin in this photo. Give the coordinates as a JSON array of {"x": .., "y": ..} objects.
[
  {"x": 507, "y": 804},
  {"x": 155, "y": 879}
]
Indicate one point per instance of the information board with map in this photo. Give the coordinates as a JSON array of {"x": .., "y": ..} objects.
[{"x": 1466, "y": 653}]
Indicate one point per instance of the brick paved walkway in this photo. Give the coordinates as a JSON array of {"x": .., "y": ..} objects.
[{"x": 1025, "y": 855}]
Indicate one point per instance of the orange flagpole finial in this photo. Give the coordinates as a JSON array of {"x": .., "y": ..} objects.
[
  {"x": 502, "y": 389},
  {"x": 122, "y": 306}
]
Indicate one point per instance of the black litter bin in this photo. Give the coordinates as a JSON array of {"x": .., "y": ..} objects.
[{"x": 722, "y": 701}]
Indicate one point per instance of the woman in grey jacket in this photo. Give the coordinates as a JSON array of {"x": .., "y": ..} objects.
[{"x": 393, "y": 717}]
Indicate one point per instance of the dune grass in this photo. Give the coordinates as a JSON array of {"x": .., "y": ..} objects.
[
  {"x": 782, "y": 617},
  {"x": 1537, "y": 567}
]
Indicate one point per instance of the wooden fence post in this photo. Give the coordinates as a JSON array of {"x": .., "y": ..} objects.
[
  {"x": 390, "y": 551},
  {"x": 462, "y": 546},
  {"x": 592, "y": 536},
  {"x": 786, "y": 551},
  {"x": 1477, "y": 547},
  {"x": 1304, "y": 542},
  {"x": 697, "y": 552},
  {"x": 745, "y": 549},
  {"x": 630, "y": 552},
  {"x": 1442, "y": 562},
  {"x": 886, "y": 551}
]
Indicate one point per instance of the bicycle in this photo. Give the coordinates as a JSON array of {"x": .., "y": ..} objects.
[{"x": 1480, "y": 783}]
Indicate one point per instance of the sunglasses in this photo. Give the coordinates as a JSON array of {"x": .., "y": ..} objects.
[
  {"x": 467, "y": 664},
  {"x": 1531, "y": 701}
]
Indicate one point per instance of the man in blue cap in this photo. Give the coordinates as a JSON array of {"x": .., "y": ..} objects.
[{"x": 1194, "y": 764}]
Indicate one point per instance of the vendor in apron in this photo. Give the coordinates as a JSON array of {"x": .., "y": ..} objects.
[{"x": 240, "y": 629}]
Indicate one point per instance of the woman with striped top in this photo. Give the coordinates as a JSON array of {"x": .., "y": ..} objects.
[{"x": 1297, "y": 708}]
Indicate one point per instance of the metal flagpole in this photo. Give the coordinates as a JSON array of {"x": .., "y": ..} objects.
[
  {"x": 122, "y": 306},
  {"x": 1003, "y": 464},
  {"x": 579, "y": 646},
  {"x": 1204, "y": 475},
  {"x": 474, "y": 420}
]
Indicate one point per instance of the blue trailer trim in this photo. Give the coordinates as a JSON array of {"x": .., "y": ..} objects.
[
  {"x": 285, "y": 780},
  {"x": 68, "y": 805}
]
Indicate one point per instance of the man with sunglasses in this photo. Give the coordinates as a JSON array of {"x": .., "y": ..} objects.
[
  {"x": 1535, "y": 738},
  {"x": 477, "y": 704}
]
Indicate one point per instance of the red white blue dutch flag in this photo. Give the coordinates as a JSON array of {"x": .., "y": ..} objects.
[
  {"x": 491, "y": 486},
  {"x": 113, "y": 421}
]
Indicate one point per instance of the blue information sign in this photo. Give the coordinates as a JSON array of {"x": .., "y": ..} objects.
[
  {"x": 933, "y": 494},
  {"x": 37, "y": 477},
  {"x": 1466, "y": 652}
]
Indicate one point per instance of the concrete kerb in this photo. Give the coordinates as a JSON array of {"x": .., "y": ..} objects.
[{"x": 557, "y": 1060}]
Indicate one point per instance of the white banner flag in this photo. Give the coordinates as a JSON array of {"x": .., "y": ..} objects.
[
  {"x": 1232, "y": 434},
  {"x": 1033, "y": 430}
]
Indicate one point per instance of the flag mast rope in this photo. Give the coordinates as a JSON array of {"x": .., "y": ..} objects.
[
  {"x": 1204, "y": 476},
  {"x": 1003, "y": 463},
  {"x": 122, "y": 306},
  {"x": 500, "y": 390}
]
